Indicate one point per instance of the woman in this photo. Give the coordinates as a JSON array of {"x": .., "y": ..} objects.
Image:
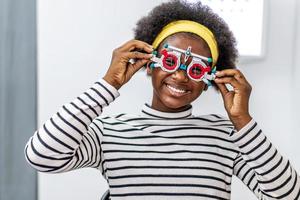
[{"x": 166, "y": 152}]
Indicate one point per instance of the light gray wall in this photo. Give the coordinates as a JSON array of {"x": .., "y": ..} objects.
[
  {"x": 76, "y": 39},
  {"x": 296, "y": 77}
]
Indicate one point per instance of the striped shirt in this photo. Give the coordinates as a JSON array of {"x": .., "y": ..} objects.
[{"x": 158, "y": 155}]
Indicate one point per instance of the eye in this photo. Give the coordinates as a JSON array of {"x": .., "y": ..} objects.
[
  {"x": 170, "y": 61},
  {"x": 196, "y": 70}
]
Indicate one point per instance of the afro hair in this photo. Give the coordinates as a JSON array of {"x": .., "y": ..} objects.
[{"x": 150, "y": 26}]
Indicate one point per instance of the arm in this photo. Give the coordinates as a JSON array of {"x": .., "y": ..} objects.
[
  {"x": 70, "y": 139},
  {"x": 261, "y": 167}
]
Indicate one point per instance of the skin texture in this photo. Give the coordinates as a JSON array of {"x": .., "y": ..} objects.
[
  {"x": 164, "y": 99},
  {"x": 121, "y": 70},
  {"x": 236, "y": 102}
]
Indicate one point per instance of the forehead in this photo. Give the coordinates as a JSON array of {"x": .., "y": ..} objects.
[{"x": 184, "y": 40}]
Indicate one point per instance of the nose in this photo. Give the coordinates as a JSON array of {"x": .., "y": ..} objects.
[{"x": 180, "y": 75}]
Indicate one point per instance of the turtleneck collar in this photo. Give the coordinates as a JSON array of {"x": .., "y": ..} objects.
[{"x": 147, "y": 111}]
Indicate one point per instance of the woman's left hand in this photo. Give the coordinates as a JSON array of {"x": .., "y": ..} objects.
[{"x": 236, "y": 101}]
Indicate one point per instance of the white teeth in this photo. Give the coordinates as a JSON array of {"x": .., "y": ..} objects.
[{"x": 176, "y": 89}]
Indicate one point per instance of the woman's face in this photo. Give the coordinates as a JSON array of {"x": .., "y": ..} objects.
[{"x": 175, "y": 91}]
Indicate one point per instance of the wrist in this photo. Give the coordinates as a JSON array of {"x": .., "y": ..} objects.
[
  {"x": 241, "y": 121},
  {"x": 112, "y": 82}
]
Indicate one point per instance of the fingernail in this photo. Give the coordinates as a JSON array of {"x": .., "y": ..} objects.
[{"x": 150, "y": 49}]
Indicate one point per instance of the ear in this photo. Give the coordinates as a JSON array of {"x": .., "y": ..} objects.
[{"x": 149, "y": 70}]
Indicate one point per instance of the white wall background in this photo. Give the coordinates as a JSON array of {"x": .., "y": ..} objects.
[{"x": 75, "y": 41}]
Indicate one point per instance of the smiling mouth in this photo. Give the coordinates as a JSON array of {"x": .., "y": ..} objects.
[{"x": 176, "y": 90}]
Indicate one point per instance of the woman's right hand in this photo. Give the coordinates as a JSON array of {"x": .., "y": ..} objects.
[{"x": 121, "y": 70}]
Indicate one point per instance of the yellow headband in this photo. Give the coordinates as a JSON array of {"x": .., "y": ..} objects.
[{"x": 191, "y": 27}]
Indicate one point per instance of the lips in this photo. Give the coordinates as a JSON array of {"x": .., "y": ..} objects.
[{"x": 176, "y": 90}]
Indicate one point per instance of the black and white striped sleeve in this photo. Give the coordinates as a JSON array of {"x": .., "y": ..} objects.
[
  {"x": 261, "y": 167},
  {"x": 70, "y": 139}
]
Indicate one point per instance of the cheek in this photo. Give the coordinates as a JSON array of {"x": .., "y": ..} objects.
[
  {"x": 198, "y": 89},
  {"x": 158, "y": 76}
]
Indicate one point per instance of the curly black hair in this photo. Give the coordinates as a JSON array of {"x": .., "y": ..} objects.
[{"x": 149, "y": 27}]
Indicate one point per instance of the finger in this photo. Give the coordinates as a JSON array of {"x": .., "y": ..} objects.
[
  {"x": 223, "y": 89},
  {"x": 237, "y": 74},
  {"x": 133, "y": 68},
  {"x": 136, "y": 44},
  {"x": 137, "y": 55},
  {"x": 228, "y": 80}
]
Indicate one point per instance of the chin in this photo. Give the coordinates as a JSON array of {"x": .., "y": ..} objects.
[{"x": 174, "y": 104}]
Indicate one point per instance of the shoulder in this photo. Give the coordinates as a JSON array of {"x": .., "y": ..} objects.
[
  {"x": 120, "y": 117},
  {"x": 216, "y": 121},
  {"x": 109, "y": 121},
  {"x": 212, "y": 118}
]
